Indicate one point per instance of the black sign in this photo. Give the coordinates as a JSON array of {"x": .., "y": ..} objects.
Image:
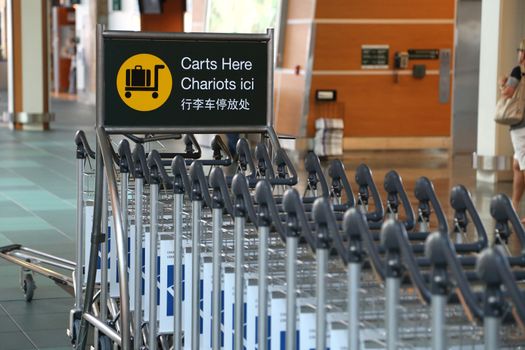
[
  {"x": 150, "y": 83},
  {"x": 374, "y": 56},
  {"x": 423, "y": 54}
]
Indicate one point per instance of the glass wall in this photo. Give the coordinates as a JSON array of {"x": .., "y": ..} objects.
[{"x": 242, "y": 16}]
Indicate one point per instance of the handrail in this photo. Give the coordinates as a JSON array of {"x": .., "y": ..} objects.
[{"x": 107, "y": 157}]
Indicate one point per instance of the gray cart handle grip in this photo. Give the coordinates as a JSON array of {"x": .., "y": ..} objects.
[
  {"x": 181, "y": 181},
  {"x": 394, "y": 238},
  {"x": 354, "y": 221},
  {"x": 502, "y": 211},
  {"x": 462, "y": 203},
  {"x": 493, "y": 269},
  {"x": 140, "y": 164},
  {"x": 191, "y": 142},
  {"x": 340, "y": 183},
  {"x": 441, "y": 246},
  {"x": 264, "y": 164},
  {"x": 438, "y": 260},
  {"x": 125, "y": 158},
  {"x": 327, "y": 228},
  {"x": 243, "y": 204},
  {"x": 425, "y": 194},
  {"x": 268, "y": 213},
  {"x": 245, "y": 159},
  {"x": 395, "y": 190},
  {"x": 365, "y": 181},
  {"x": 199, "y": 184},
  {"x": 312, "y": 165},
  {"x": 157, "y": 171},
  {"x": 221, "y": 196},
  {"x": 83, "y": 149},
  {"x": 297, "y": 223},
  {"x": 219, "y": 149},
  {"x": 286, "y": 173}
]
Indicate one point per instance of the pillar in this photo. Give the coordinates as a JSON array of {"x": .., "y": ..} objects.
[
  {"x": 28, "y": 73},
  {"x": 501, "y": 32}
]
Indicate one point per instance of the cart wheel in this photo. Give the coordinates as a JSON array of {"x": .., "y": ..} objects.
[
  {"x": 29, "y": 287},
  {"x": 104, "y": 343},
  {"x": 127, "y": 94},
  {"x": 155, "y": 94}
]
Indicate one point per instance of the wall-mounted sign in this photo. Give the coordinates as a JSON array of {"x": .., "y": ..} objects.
[
  {"x": 374, "y": 56},
  {"x": 186, "y": 81},
  {"x": 423, "y": 54}
]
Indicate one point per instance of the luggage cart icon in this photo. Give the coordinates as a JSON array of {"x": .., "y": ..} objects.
[{"x": 139, "y": 79}]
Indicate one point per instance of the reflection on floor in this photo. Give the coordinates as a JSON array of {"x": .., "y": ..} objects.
[{"x": 38, "y": 198}]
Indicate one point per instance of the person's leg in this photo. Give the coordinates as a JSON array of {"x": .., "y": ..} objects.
[{"x": 518, "y": 185}]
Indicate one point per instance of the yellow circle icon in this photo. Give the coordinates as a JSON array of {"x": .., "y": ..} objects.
[{"x": 144, "y": 82}]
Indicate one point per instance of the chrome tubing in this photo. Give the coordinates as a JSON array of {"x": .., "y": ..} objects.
[
  {"x": 153, "y": 241},
  {"x": 491, "y": 328},
  {"x": 322, "y": 264},
  {"x": 125, "y": 317},
  {"x": 177, "y": 272},
  {"x": 291, "y": 287},
  {"x": 239, "y": 282},
  {"x": 354, "y": 284},
  {"x": 392, "y": 302},
  {"x": 196, "y": 272},
  {"x": 137, "y": 262},
  {"x": 438, "y": 322},
  {"x": 216, "y": 293},
  {"x": 80, "y": 235},
  {"x": 264, "y": 233},
  {"x": 103, "y": 300}
]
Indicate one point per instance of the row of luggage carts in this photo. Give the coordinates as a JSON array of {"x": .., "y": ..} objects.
[{"x": 239, "y": 253}]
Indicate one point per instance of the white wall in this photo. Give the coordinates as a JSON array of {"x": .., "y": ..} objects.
[{"x": 126, "y": 19}]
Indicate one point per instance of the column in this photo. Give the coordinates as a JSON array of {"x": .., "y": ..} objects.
[
  {"x": 501, "y": 33},
  {"x": 28, "y": 73}
]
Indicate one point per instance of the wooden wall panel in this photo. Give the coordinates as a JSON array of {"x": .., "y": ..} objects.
[
  {"x": 171, "y": 19},
  {"x": 376, "y": 107},
  {"x": 333, "y": 54},
  {"x": 289, "y": 97},
  {"x": 385, "y": 9}
]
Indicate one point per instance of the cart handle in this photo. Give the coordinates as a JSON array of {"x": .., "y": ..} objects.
[
  {"x": 181, "y": 181},
  {"x": 354, "y": 221},
  {"x": 190, "y": 142},
  {"x": 268, "y": 213},
  {"x": 492, "y": 264},
  {"x": 245, "y": 157},
  {"x": 502, "y": 211},
  {"x": 219, "y": 148},
  {"x": 221, "y": 196},
  {"x": 83, "y": 149},
  {"x": 340, "y": 182},
  {"x": 393, "y": 185},
  {"x": 461, "y": 201},
  {"x": 157, "y": 171},
  {"x": 425, "y": 193},
  {"x": 243, "y": 204},
  {"x": 326, "y": 227},
  {"x": 394, "y": 237},
  {"x": 312, "y": 165},
  {"x": 297, "y": 222},
  {"x": 199, "y": 184},
  {"x": 283, "y": 163},
  {"x": 125, "y": 158},
  {"x": 140, "y": 163},
  {"x": 264, "y": 164},
  {"x": 440, "y": 282},
  {"x": 365, "y": 181}
]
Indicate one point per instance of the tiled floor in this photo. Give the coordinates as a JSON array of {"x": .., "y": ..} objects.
[{"x": 37, "y": 209}]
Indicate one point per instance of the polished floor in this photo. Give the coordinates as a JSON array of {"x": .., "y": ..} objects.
[{"x": 38, "y": 199}]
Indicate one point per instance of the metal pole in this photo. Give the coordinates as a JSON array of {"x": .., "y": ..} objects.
[
  {"x": 354, "y": 284},
  {"x": 438, "y": 322},
  {"x": 392, "y": 302},
  {"x": 239, "y": 282},
  {"x": 80, "y": 235},
  {"x": 138, "y": 264},
  {"x": 177, "y": 272},
  {"x": 153, "y": 238},
  {"x": 103, "y": 260},
  {"x": 216, "y": 294},
  {"x": 322, "y": 262},
  {"x": 291, "y": 287},
  {"x": 264, "y": 233},
  {"x": 196, "y": 272},
  {"x": 491, "y": 327}
]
